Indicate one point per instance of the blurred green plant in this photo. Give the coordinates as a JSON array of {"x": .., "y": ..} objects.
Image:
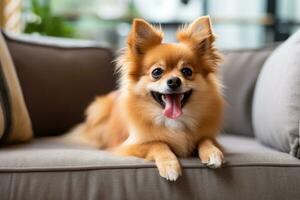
[{"x": 45, "y": 22}]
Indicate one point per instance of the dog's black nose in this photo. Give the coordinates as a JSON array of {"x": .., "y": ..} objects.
[{"x": 174, "y": 83}]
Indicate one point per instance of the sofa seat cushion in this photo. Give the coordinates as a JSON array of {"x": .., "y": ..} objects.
[{"x": 49, "y": 169}]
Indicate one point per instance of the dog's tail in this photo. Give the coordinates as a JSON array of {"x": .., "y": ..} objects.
[
  {"x": 100, "y": 109},
  {"x": 90, "y": 132}
]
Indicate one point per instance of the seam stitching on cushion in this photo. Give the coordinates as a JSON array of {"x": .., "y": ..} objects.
[
  {"x": 90, "y": 46},
  {"x": 298, "y": 142},
  {"x": 20, "y": 170},
  {"x": 10, "y": 186}
]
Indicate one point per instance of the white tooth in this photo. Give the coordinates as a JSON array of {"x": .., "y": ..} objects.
[
  {"x": 163, "y": 97},
  {"x": 181, "y": 97}
]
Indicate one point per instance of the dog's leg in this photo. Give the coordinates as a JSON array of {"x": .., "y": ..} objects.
[
  {"x": 166, "y": 161},
  {"x": 210, "y": 154}
]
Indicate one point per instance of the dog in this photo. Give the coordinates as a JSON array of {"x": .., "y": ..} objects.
[{"x": 169, "y": 102}]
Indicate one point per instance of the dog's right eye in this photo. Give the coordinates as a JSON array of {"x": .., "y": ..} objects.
[{"x": 157, "y": 72}]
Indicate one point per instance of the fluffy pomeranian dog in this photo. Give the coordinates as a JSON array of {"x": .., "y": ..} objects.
[{"x": 168, "y": 104}]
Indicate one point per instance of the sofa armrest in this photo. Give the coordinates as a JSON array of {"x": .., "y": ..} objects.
[{"x": 59, "y": 78}]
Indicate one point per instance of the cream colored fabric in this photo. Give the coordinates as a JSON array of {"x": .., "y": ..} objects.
[
  {"x": 10, "y": 11},
  {"x": 21, "y": 129},
  {"x": 1, "y": 122}
]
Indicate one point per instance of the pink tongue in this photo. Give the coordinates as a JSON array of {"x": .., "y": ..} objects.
[{"x": 173, "y": 106}]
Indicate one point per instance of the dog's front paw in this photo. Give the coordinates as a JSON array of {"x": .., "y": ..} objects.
[
  {"x": 169, "y": 170},
  {"x": 212, "y": 157}
]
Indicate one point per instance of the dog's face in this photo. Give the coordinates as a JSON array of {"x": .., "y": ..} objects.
[
  {"x": 171, "y": 76},
  {"x": 172, "y": 80}
]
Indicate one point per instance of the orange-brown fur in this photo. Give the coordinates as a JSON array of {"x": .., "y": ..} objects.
[{"x": 130, "y": 123}]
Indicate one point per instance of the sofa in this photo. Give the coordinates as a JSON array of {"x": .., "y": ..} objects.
[{"x": 60, "y": 77}]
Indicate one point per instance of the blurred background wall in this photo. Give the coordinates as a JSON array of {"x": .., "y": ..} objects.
[{"x": 237, "y": 23}]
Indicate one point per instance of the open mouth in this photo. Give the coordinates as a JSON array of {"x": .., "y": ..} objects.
[{"x": 172, "y": 103}]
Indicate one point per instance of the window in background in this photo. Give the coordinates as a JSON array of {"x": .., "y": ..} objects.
[
  {"x": 287, "y": 18},
  {"x": 238, "y": 24}
]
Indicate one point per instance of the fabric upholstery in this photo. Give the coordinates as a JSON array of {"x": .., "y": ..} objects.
[
  {"x": 59, "y": 78},
  {"x": 15, "y": 124},
  {"x": 51, "y": 169},
  {"x": 239, "y": 72},
  {"x": 276, "y": 103}
]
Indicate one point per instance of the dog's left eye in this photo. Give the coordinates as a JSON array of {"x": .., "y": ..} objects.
[
  {"x": 157, "y": 72},
  {"x": 186, "y": 71}
]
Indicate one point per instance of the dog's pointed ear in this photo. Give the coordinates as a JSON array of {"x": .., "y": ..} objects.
[
  {"x": 143, "y": 36},
  {"x": 200, "y": 37},
  {"x": 198, "y": 34}
]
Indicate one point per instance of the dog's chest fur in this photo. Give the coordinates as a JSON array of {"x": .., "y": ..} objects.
[{"x": 173, "y": 132}]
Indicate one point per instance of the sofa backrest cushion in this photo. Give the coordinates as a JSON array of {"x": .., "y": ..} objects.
[
  {"x": 276, "y": 106},
  {"x": 15, "y": 124},
  {"x": 59, "y": 78},
  {"x": 239, "y": 72}
]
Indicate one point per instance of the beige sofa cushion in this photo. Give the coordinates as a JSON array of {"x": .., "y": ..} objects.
[{"x": 15, "y": 124}]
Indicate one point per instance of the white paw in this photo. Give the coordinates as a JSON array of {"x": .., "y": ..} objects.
[
  {"x": 215, "y": 161},
  {"x": 170, "y": 170},
  {"x": 170, "y": 174},
  {"x": 213, "y": 158}
]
